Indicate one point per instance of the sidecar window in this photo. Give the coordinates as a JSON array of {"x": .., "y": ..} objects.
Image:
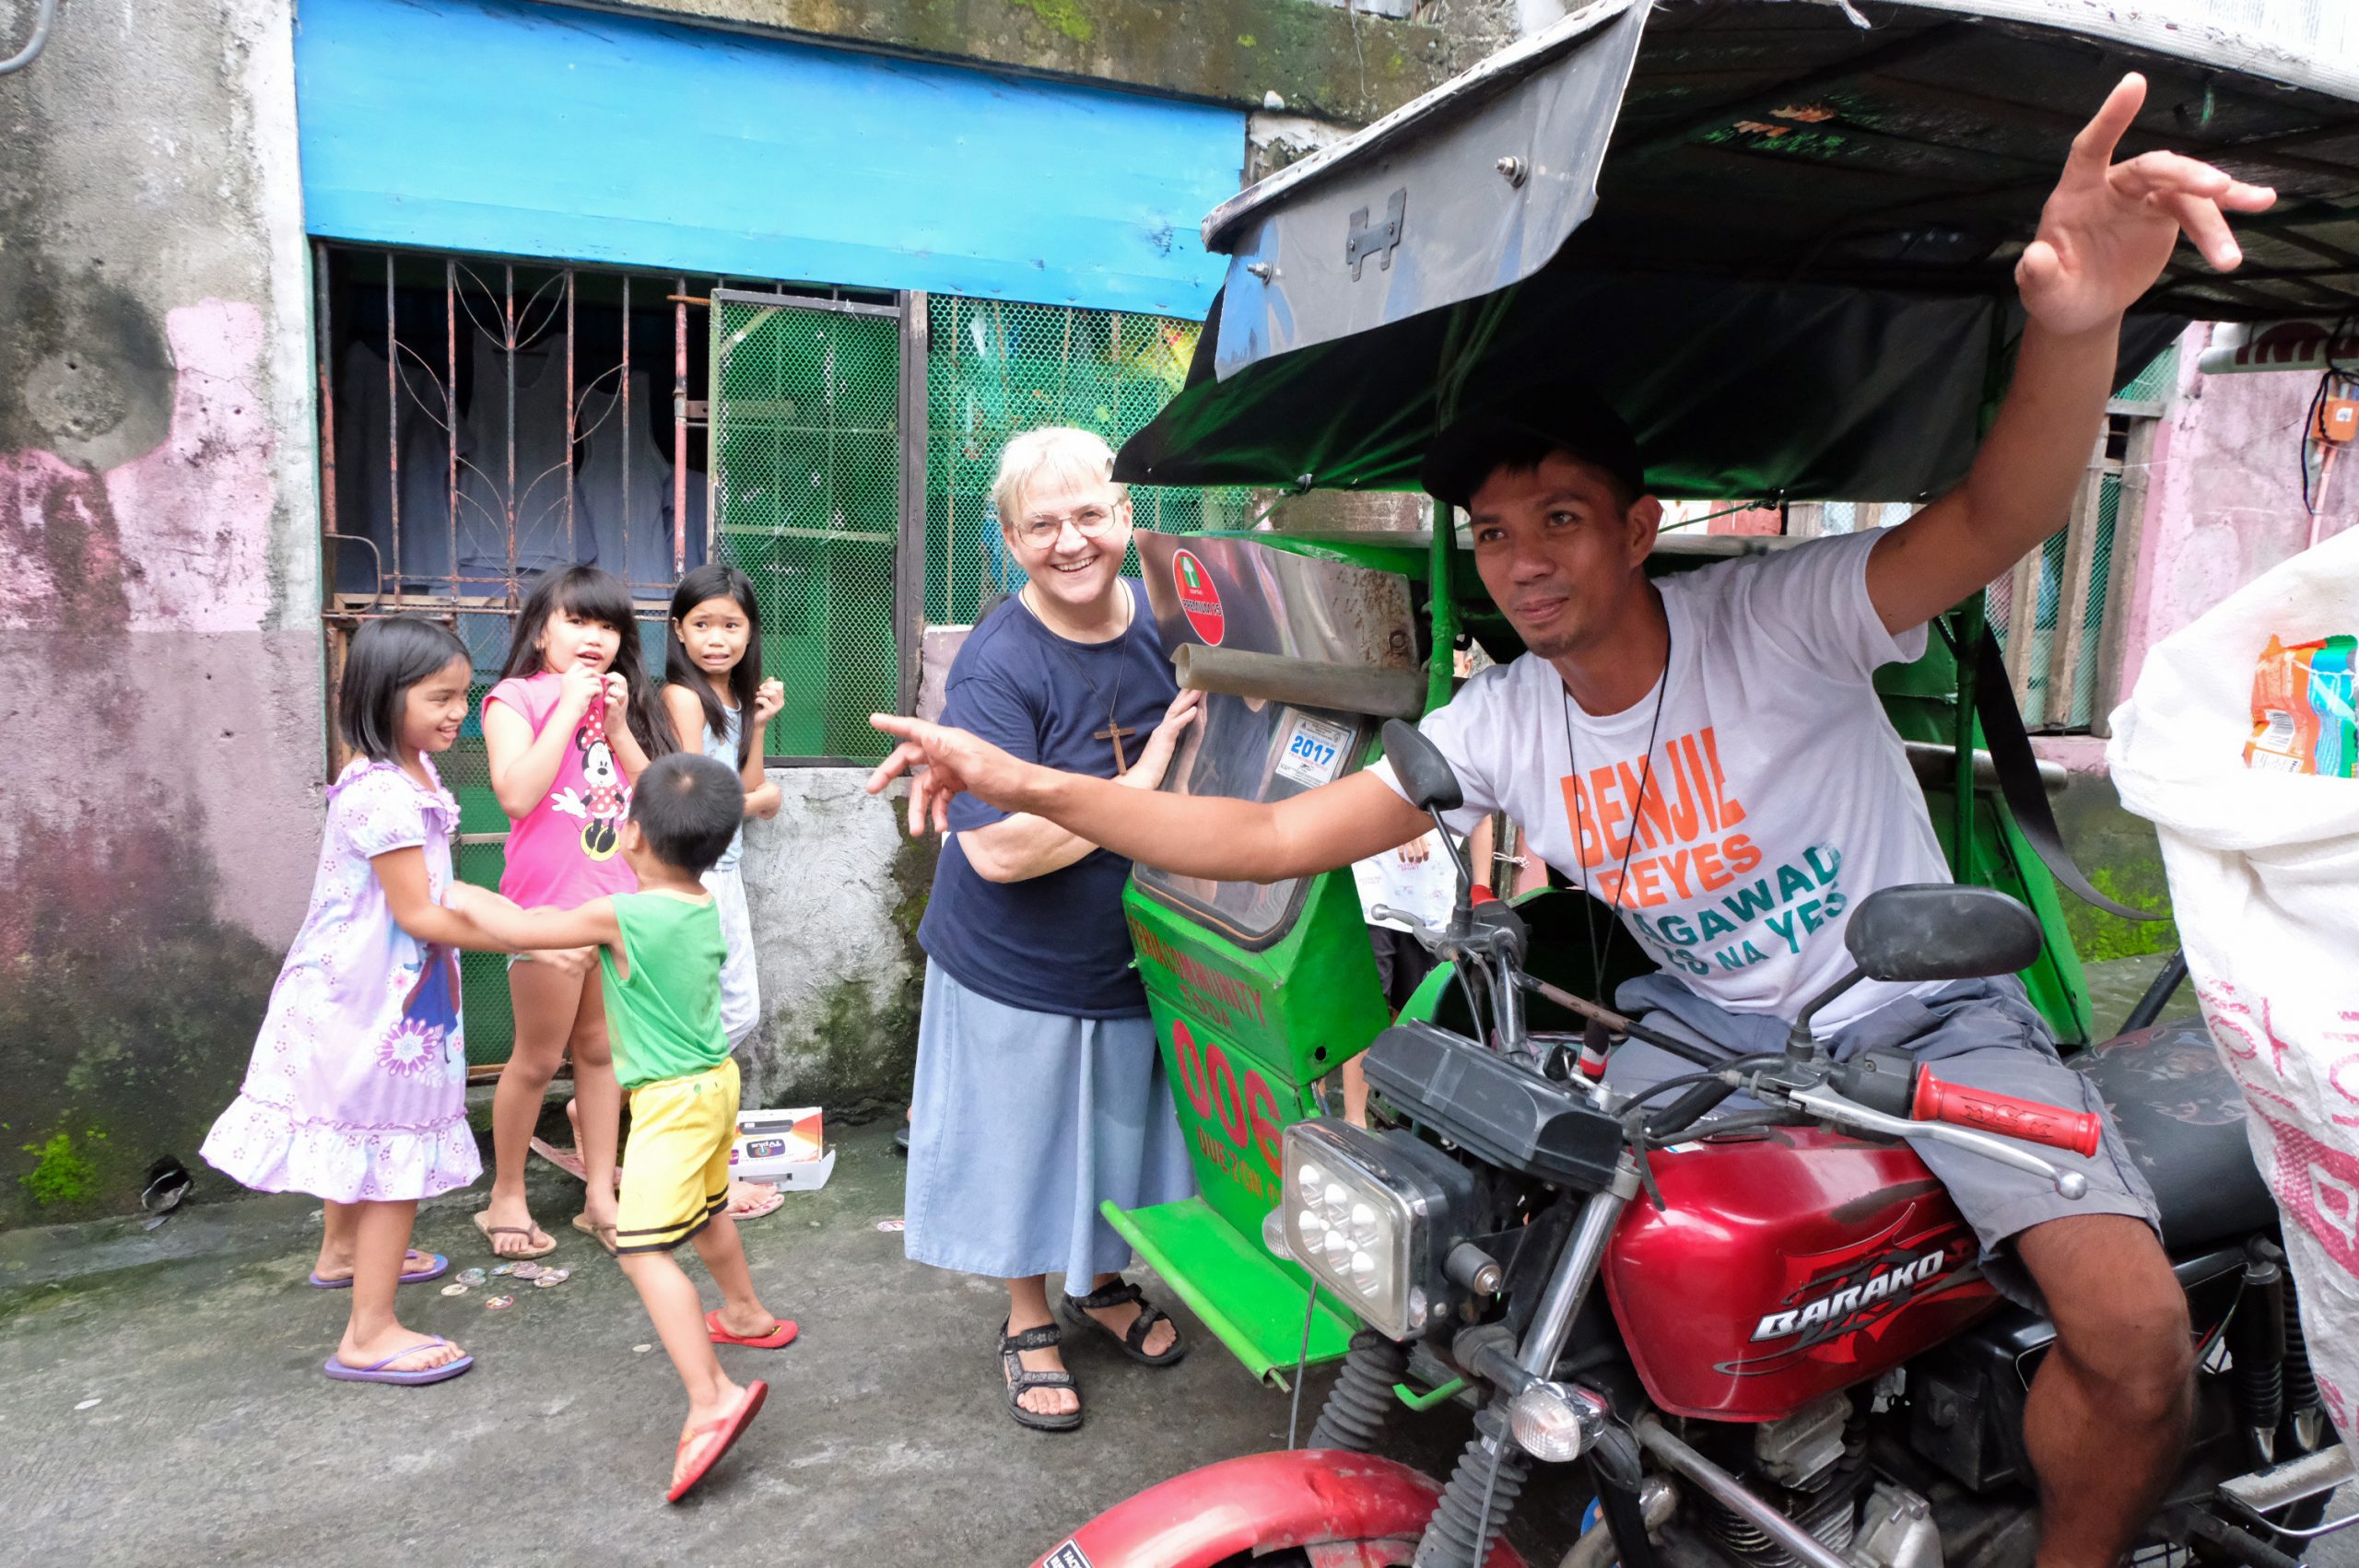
[{"x": 1254, "y": 750}]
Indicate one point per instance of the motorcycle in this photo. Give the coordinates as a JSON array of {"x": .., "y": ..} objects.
[
  {"x": 1778, "y": 238},
  {"x": 1794, "y": 1359}
]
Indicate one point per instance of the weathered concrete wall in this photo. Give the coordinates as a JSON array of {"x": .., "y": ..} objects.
[
  {"x": 1338, "y": 63},
  {"x": 2223, "y": 498},
  {"x": 835, "y": 891},
  {"x": 160, "y": 646}
]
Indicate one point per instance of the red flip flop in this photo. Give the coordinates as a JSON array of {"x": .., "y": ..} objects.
[
  {"x": 782, "y": 1334},
  {"x": 730, "y": 1427}
]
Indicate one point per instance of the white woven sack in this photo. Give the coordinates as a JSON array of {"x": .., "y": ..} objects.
[{"x": 2264, "y": 874}]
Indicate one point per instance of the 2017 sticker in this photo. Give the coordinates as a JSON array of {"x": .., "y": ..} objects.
[{"x": 1313, "y": 752}]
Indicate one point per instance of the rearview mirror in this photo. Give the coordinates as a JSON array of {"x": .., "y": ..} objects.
[
  {"x": 1939, "y": 931},
  {"x": 1421, "y": 768}
]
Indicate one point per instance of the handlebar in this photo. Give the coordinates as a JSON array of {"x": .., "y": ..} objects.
[
  {"x": 1936, "y": 1100},
  {"x": 1828, "y": 1105}
]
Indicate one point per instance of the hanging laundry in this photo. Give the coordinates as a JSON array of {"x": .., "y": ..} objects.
[
  {"x": 624, "y": 491},
  {"x": 526, "y": 489},
  {"x": 364, "y": 477}
]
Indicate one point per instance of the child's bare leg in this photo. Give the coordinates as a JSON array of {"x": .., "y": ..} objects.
[
  {"x": 339, "y": 1227},
  {"x": 672, "y": 1301},
  {"x": 1354, "y": 1091},
  {"x": 336, "y": 1241},
  {"x": 600, "y": 1102},
  {"x": 545, "y": 1002},
  {"x": 723, "y": 1251},
  {"x": 379, "y": 1234}
]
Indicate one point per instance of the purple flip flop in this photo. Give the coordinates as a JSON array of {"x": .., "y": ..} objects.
[
  {"x": 376, "y": 1373},
  {"x": 441, "y": 1267}
]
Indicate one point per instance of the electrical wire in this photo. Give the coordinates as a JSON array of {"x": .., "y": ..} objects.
[
  {"x": 1646, "y": 782},
  {"x": 2349, "y": 376},
  {"x": 31, "y": 51},
  {"x": 1301, "y": 1361},
  {"x": 1490, "y": 1486}
]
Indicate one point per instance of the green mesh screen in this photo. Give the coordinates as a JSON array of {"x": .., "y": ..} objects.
[
  {"x": 2040, "y": 627},
  {"x": 806, "y": 501},
  {"x": 994, "y": 370},
  {"x": 2084, "y": 671},
  {"x": 2156, "y": 382}
]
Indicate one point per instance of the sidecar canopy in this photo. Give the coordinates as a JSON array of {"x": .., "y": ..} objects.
[{"x": 1781, "y": 241}]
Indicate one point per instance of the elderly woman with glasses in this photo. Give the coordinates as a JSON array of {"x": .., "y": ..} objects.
[{"x": 1039, "y": 1091}]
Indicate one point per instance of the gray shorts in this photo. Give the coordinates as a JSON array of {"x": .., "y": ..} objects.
[{"x": 1986, "y": 1034}]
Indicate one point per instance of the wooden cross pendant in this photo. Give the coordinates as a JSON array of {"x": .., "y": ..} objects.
[{"x": 1115, "y": 733}]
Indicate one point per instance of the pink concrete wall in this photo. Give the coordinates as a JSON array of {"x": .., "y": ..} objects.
[
  {"x": 134, "y": 626},
  {"x": 2223, "y": 498},
  {"x": 163, "y": 710}
]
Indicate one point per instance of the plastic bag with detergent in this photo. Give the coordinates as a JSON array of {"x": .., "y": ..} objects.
[
  {"x": 2264, "y": 867},
  {"x": 2303, "y": 715}
]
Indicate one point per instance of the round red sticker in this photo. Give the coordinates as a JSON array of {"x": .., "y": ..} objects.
[{"x": 1199, "y": 599}]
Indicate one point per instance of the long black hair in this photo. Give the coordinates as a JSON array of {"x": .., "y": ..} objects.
[
  {"x": 717, "y": 582},
  {"x": 589, "y": 595},
  {"x": 386, "y": 658}
]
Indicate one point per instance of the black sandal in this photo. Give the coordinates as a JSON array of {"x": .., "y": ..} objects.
[
  {"x": 1022, "y": 1379},
  {"x": 1076, "y": 1310}
]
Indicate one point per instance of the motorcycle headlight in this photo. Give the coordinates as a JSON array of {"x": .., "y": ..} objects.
[{"x": 1370, "y": 1217}]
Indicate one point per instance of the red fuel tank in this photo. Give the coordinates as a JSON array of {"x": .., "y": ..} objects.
[{"x": 1785, "y": 1266}]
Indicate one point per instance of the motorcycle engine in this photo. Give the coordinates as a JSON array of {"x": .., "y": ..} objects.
[{"x": 1810, "y": 1466}]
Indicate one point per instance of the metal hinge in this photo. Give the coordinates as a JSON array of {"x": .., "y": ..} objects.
[{"x": 1364, "y": 241}]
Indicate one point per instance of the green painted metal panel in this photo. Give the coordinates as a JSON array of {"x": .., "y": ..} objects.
[
  {"x": 1254, "y": 1304},
  {"x": 1244, "y": 1035}
]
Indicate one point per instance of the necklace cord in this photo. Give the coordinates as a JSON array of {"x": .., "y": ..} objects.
[
  {"x": 1119, "y": 641},
  {"x": 1646, "y": 782}
]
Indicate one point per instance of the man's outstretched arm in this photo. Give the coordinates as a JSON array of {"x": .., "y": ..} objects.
[
  {"x": 2104, "y": 236},
  {"x": 1201, "y": 836}
]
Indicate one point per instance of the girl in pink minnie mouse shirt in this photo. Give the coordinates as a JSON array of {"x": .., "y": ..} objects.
[{"x": 566, "y": 731}]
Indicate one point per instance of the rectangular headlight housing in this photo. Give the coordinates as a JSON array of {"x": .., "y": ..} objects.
[{"x": 1371, "y": 1216}]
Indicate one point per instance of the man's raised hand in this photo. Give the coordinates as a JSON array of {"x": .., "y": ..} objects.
[
  {"x": 941, "y": 762},
  {"x": 2108, "y": 228}
]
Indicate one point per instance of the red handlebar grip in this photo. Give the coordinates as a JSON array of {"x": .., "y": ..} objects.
[{"x": 2030, "y": 1121}]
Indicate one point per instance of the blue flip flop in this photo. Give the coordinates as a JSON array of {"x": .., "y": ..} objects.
[
  {"x": 376, "y": 1373},
  {"x": 441, "y": 1267}
]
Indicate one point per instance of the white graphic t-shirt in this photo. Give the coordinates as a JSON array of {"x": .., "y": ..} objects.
[{"x": 1781, "y": 793}]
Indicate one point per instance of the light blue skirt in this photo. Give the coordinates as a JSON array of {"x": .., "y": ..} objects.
[{"x": 1024, "y": 1122}]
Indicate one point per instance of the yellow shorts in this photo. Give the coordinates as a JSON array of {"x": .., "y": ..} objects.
[{"x": 676, "y": 1167}]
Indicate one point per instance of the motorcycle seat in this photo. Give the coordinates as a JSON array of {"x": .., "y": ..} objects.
[{"x": 2183, "y": 1118}]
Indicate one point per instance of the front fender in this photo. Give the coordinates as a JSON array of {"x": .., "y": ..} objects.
[{"x": 1259, "y": 1502}]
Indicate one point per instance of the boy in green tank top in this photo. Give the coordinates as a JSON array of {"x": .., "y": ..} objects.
[{"x": 660, "y": 956}]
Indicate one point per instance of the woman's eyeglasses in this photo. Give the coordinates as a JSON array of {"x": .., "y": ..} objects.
[{"x": 1043, "y": 530}]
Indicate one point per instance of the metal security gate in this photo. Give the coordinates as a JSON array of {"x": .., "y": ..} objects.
[{"x": 808, "y": 482}]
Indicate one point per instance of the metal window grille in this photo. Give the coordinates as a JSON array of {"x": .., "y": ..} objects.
[
  {"x": 806, "y": 500},
  {"x": 994, "y": 370},
  {"x": 484, "y": 420},
  {"x": 481, "y": 420}
]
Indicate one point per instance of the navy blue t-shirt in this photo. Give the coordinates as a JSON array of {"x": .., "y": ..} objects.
[{"x": 1054, "y": 943}]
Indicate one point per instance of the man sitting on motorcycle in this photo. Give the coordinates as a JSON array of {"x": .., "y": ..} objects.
[{"x": 1708, "y": 754}]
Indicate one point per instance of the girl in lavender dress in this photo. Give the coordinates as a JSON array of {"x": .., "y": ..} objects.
[{"x": 357, "y": 1092}]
